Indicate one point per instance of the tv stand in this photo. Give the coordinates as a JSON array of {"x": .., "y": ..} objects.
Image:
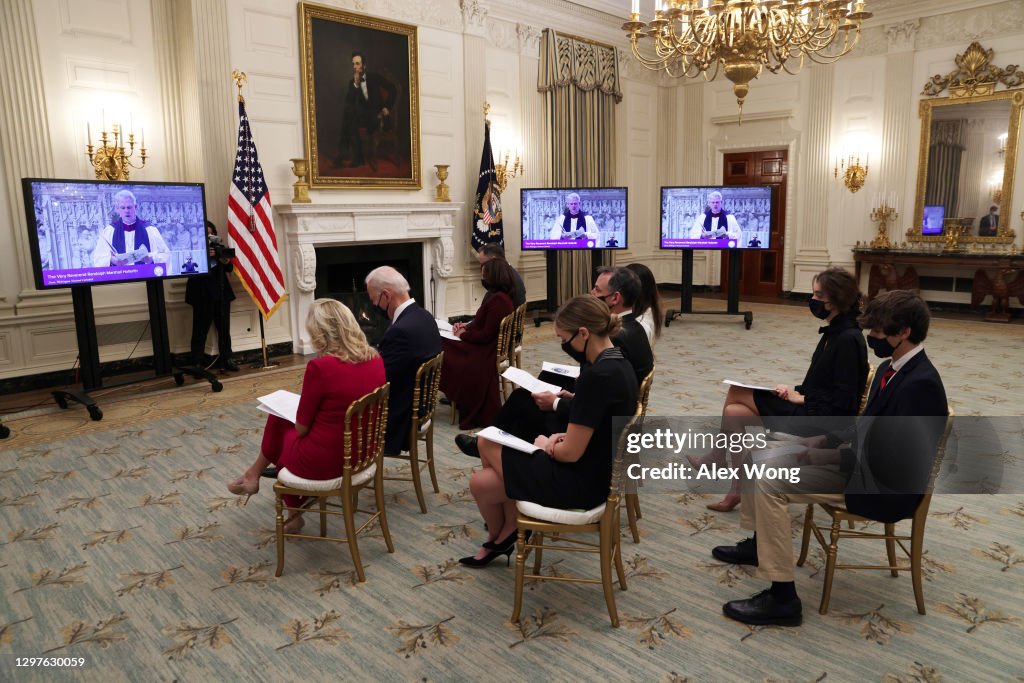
[
  {"x": 89, "y": 354},
  {"x": 733, "y": 302}
]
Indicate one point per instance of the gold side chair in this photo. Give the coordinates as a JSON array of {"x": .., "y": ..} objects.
[
  {"x": 424, "y": 400},
  {"x": 839, "y": 514},
  {"x": 632, "y": 496},
  {"x": 604, "y": 520},
  {"x": 505, "y": 354},
  {"x": 365, "y": 425},
  {"x": 516, "y": 358}
]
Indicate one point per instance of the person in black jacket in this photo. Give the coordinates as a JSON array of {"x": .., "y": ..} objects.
[
  {"x": 882, "y": 475},
  {"x": 528, "y": 415},
  {"x": 369, "y": 100},
  {"x": 410, "y": 340},
  {"x": 210, "y": 296},
  {"x": 834, "y": 381}
]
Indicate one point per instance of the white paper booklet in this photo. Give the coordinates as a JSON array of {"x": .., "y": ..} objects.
[
  {"x": 734, "y": 383},
  {"x": 283, "y": 403},
  {"x": 559, "y": 369},
  {"x": 528, "y": 381},
  {"x": 505, "y": 439},
  {"x": 443, "y": 325}
]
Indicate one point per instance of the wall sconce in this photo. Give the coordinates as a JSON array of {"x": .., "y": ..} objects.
[
  {"x": 852, "y": 172},
  {"x": 995, "y": 185},
  {"x": 109, "y": 159},
  {"x": 1002, "y": 144},
  {"x": 506, "y": 172}
]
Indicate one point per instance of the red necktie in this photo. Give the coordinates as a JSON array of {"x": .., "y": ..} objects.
[{"x": 887, "y": 375}]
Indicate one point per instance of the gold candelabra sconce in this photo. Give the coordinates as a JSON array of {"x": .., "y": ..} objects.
[
  {"x": 1002, "y": 144},
  {"x": 109, "y": 159},
  {"x": 852, "y": 172},
  {"x": 300, "y": 192},
  {"x": 884, "y": 213},
  {"x": 507, "y": 171},
  {"x": 441, "y": 192},
  {"x": 953, "y": 234}
]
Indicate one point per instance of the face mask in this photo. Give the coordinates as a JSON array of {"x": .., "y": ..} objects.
[
  {"x": 881, "y": 346},
  {"x": 483, "y": 282},
  {"x": 818, "y": 308},
  {"x": 380, "y": 310},
  {"x": 578, "y": 356}
]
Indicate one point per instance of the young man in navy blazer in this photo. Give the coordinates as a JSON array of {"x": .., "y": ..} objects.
[
  {"x": 881, "y": 475},
  {"x": 410, "y": 340}
]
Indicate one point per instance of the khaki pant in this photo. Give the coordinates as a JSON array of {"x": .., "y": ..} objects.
[{"x": 765, "y": 510}]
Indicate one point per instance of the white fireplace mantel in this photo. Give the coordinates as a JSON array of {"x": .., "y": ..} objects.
[{"x": 308, "y": 226}]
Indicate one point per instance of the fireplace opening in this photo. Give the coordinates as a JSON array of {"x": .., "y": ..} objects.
[{"x": 341, "y": 274}]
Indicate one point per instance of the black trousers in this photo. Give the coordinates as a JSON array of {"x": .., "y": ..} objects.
[{"x": 205, "y": 313}]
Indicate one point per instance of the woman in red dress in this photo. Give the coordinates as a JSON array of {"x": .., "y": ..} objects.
[
  {"x": 348, "y": 368},
  {"x": 469, "y": 376}
]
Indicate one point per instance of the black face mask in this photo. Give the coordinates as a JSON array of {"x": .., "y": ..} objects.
[
  {"x": 578, "y": 356},
  {"x": 818, "y": 309},
  {"x": 881, "y": 346},
  {"x": 380, "y": 310}
]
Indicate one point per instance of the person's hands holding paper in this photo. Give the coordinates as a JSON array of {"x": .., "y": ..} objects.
[{"x": 545, "y": 400}]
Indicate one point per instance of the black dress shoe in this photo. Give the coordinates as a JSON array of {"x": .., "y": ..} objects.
[
  {"x": 229, "y": 366},
  {"x": 744, "y": 552},
  {"x": 764, "y": 609},
  {"x": 269, "y": 473},
  {"x": 467, "y": 444}
]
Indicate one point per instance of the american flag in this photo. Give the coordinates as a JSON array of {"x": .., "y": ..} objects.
[{"x": 251, "y": 225}]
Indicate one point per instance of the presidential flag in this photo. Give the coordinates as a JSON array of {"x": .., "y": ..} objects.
[
  {"x": 251, "y": 225},
  {"x": 487, "y": 227}
]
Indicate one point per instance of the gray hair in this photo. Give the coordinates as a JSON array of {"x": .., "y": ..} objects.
[
  {"x": 386, "y": 277},
  {"x": 570, "y": 195},
  {"x": 125, "y": 193},
  {"x": 716, "y": 193}
]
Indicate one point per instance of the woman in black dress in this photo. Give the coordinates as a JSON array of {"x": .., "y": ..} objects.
[
  {"x": 834, "y": 381},
  {"x": 568, "y": 470}
]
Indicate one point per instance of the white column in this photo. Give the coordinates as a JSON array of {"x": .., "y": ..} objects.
[
  {"x": 532, "y": 265},
  {"x": 897, "y": 147},
  {"x": 812, "y": 254},
  {"x": 474, "y": 47},
  {"x": 692, "y": 142},
  {"x": 25, "y": 141}
]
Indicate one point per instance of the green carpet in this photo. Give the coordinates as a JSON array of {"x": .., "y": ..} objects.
[{"x": 121, "y": 545}]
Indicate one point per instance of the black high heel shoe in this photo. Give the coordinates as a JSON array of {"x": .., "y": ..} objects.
[
  {"x": 506, "y": 543},
  {"x": 489, "y": 557}
]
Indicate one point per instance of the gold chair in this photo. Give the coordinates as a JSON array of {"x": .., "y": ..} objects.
[
  {"x": 603, "y": 520},
  {"x": 505, "y": 353},
  {"x": 867, "y": 389},
  {"x": 424, "y": 400},
  {"x": 632, "y": 497},
  {"x": 838, "y": 514},
  {"x": 517, "y": 346},
  {"x": 365, "y": 425}
]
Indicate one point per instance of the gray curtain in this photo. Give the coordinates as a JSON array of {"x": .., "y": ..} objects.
[
  {"x": 945, "y": 154},
  {"x": 580, "y": 80}
]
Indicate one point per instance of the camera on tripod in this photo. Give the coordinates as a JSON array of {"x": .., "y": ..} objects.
[{"x": 220, "y": 250}]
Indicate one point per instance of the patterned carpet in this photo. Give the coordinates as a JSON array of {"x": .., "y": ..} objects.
[{"x": 122, "y": 546}]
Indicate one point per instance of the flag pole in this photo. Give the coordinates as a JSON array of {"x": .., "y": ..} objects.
[{"x": 267, "y": 365}]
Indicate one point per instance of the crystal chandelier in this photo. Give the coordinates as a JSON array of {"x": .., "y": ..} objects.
[{"x": 691, "y": 37}]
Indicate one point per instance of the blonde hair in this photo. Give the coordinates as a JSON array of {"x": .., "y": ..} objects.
[{"x": 333, "y": 331}]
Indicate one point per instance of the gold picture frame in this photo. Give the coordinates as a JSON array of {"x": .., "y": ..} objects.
[{"x": 366, "y": 134}]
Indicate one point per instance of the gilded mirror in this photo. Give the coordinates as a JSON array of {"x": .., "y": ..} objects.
[{"x": 968, "y": 152}]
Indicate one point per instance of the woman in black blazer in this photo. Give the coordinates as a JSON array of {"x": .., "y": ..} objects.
[{"x": 834, "y": 381}]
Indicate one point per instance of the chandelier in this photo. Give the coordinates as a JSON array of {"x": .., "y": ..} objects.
[{"x": 691, "y": 37}]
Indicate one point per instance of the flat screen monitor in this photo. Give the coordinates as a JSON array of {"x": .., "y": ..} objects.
[
  {"x": 933, "y": 219},
  {"x": 574, "y": 218},
  {"x": 716, "y": 217},
  {"x": 85, "y": 232}
]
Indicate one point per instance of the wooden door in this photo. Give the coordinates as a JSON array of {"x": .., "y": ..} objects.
[{"x": 760, "y": 269}]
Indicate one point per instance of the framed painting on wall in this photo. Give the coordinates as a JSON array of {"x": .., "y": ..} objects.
[{"x": 360, "y": 99}]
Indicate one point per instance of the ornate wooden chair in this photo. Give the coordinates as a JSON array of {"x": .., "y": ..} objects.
[
  {"x": 424, "y": 400},
  {"x": 632, "y": 497},
  {"x": 505, "y": 354},
  {"x": 554, "y": 522},
  {"x": 365, "y": 425},
  {"x": 838, "y": 514}
]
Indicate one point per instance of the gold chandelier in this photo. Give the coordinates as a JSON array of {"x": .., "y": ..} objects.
[{"x": 692, "y": 37}]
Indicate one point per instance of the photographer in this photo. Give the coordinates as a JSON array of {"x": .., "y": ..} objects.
[{"x": 210, "y": 296}]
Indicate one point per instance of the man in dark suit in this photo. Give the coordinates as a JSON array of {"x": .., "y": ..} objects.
[
  {"x": 881, "y": 475},
  {"x": 988, "y": 226},
  {"x": 410, "y": 340},
  {"x": 526, "y": 415},
  {"x": 369, "y": 99}
]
